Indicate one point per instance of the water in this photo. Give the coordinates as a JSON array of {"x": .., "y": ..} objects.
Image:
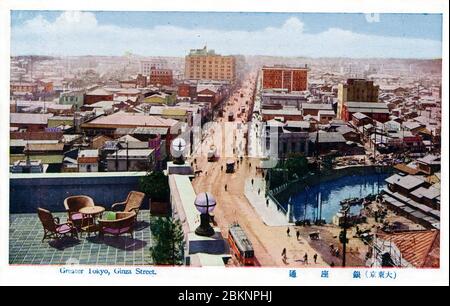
[{"x": 331, "y": 193}]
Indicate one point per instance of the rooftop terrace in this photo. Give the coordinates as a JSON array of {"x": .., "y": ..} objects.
[{"x": 26, "y": 246}]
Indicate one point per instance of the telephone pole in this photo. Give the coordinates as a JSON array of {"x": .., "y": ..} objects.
[{"x": 343, "y": 235}]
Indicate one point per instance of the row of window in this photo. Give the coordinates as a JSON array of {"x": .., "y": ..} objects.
[{"x": 295, "y": 147}]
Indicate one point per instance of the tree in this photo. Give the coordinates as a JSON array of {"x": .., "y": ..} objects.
[
  {"x": 155, "y": 185},
  {"x": 168, "y": 239},
  {"x": 297, "y": 164}
]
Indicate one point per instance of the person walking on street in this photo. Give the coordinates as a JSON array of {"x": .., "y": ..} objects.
[
  {"x": 315, "y": 258},
  {"x": 288, "y": 231},
  {"x": 297, "y": 234},
  {"x": 283, "y": 253},
  {"x": 305, "y": 259},
  {"x": 252, "y": 182},
  {"x": 226, "y": 187}
]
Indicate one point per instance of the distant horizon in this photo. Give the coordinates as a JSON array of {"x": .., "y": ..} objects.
[
  {"x": 173, "y": 34},
  {"x": 249, "y": 55}
]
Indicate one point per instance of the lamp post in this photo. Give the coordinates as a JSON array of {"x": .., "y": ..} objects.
[{"x": 205, "y": 203}]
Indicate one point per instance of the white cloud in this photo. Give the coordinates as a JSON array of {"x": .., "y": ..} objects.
[{"x": 79, "y": 33}]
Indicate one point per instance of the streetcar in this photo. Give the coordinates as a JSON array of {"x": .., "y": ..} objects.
[{"x": 241, "y": 245}]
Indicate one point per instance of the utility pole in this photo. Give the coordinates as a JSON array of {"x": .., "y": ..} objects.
[
  {"x": 343, "y": 235},
  {"x": 126, "y": 142},
  {"x": 117, "y": 156}
]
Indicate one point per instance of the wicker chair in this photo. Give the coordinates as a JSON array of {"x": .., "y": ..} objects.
[
  {"x": 73, "y": 205},
  {"x": 53, "y": 228},
  {"x": 123, "y": 224},
  {"x": 132, "y": 203}
]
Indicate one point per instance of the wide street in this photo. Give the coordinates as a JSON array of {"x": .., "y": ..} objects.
[{"x": 233, "y": 206}]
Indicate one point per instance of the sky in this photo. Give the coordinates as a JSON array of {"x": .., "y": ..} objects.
[{"x": 278, "y": 34}]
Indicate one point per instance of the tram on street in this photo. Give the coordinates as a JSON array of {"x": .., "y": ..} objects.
[{"x": 240, "y": 245}]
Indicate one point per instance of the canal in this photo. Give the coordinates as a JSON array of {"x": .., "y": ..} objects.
[{"x": 328, "y": 194}]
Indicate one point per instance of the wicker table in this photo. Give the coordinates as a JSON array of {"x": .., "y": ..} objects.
[{"x": 90, "y": 213}]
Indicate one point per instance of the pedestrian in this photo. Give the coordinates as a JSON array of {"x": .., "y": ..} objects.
[
  {"x": 226, "y": 187},
  {"x": 259, "y": 191},
  {"x": 305, "y": 259},
  {"x": 249, "y": 165},
  {"x": 288, "y": 231},
  {"x": 297, "y": 234},
  {"x": 221, "y": 168},
  {"x": 315, "y": 258},
  {"x": 267, "y": 202},
  {"x": 252, "y": 182},
  {"x": 283, "y": 253}
]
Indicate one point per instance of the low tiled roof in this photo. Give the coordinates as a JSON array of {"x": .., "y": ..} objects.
[
  {"x": 99, "y": 92},
  {"x": 359, "y": 116},
  {"x": 131, "y": 119},
  {"x": 44, "y": 147},
  {"x": 327, "y": 137},
  {"x": 174, "y": 112},
  {"x": 298, "y": 124},
  {"x": 430, "y": 159},
  {"x": 408, "y": 182},
  {"x": 319, "y": 106},
  {"x": 150, "y": 131},
  {"x": 44, "y": 158},
  {"x": 24, "y": 118},
  {"x": 417, "y": 247},
  {"x": 406, "y": 169}
]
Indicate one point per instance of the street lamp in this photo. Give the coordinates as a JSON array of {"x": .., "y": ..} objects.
[{"x": 205, "y": 203}]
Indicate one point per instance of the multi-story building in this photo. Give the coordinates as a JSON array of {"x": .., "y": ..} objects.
[
  {"x": 97, "y": 95},
  {"x": 356, "y": 90},
  {"x": 141, "y": 80},
  {"x": 203, "y": 64},
  {"x": 147, "y": 65},
  {"x": 161, "y": 77},
  {"x": 280, "y": 139},
  {"x": 187, "y": 91},
  {"x": 283, "y": 77},
  {"x": 23, "y": 88},
  {"x": 376, "y": 111},
  {"x": 75, "y": 97}
]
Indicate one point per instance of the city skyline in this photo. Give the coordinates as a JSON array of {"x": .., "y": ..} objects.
[{"x": 74, "y": 33}]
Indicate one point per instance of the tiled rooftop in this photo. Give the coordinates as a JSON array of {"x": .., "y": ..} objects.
[
  {"x": 26, "y": 246},
  {"x": 417, "y": 247}
]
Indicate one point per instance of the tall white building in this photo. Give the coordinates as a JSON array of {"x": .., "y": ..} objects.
[{"x": 156, "y": 63}]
